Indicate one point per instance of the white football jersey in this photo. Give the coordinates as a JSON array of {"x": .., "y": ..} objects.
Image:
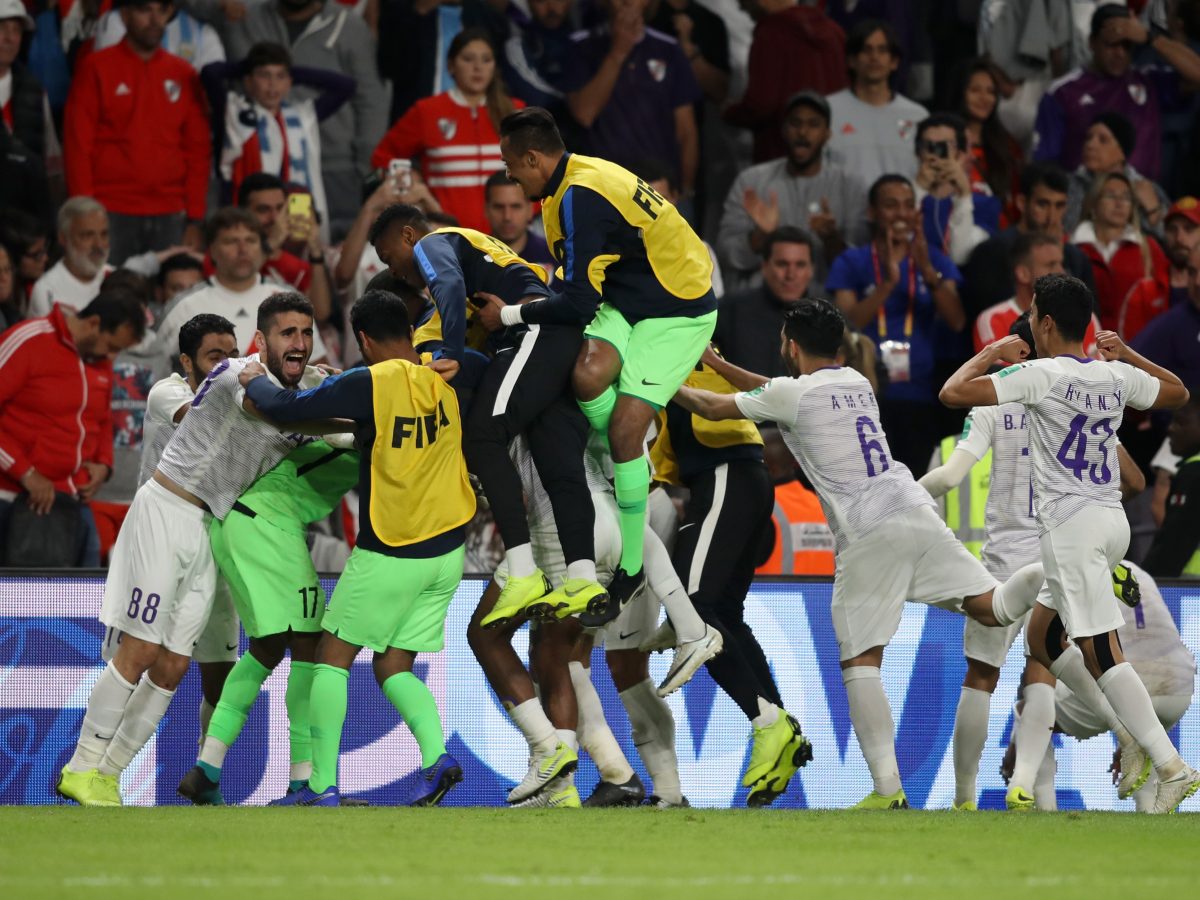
[
  {"x": 538, "y": 509},
  {"x": 1011, "y": 528},
  {"x": 219, "y": 449},
  {"x": 1075, "y": 408},
  {"x": 1151, "y": 643},
  {"x": 830, "y": 422},
  {"x": 164, "y": 399}
]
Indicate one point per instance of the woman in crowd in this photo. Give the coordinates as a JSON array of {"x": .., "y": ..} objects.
[
  {"x": 453, "y": 137},
  {"x": 1106, "y": 147},
  {"x": 995, "y": 154},
  {"x": 1130, "y": 269},
  {"x": 8, "y": 290},
  {"x": 25, "y": 242}
]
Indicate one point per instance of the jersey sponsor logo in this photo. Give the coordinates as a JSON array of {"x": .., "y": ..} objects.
[
  {"x": 174, "y": 90},
  {"x": 421, "y": 429},
  {"x": 1004, "y": 373},
  {"x": 448, "y": 128},
  {"x": 648, "y": 199},
  {"x": 658, "y": 68},
  {"x": 758, "y": 390},
  {"x": 650, "y": 383}
]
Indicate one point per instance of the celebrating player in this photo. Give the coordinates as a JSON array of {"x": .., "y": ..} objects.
[
  {"x": 414, "y": 503},
  {"x": 1075, "y": 407},
  {"x": 890, "y": 544}
]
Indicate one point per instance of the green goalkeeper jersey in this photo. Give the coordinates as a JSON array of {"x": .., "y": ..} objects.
[{"x": 304, "y": 487}]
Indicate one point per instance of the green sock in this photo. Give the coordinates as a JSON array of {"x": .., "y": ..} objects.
[
  {"x": 327, "y": 710},
  {"x": 420, "y": 713},
  {"x": 241, "y": 690},
  {"x": 299, "y": 689},
  {"x": 599, "y": 411},
  {"x": 631, "y": 482}
]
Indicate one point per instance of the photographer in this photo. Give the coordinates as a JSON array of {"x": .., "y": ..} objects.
[{"x": 956, "y": 217}]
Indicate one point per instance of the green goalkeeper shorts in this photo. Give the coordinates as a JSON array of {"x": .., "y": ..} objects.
[
  {"x": 386, "y": 601},
  {"x": 274, "y": 584},
  {"x": 657, "y": 355}
]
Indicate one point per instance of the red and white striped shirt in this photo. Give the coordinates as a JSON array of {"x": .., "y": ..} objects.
[{"x": 995, "y": 321}]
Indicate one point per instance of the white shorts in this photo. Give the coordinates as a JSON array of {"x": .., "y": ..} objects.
[
  {"x": 161, "y": 574},
  {"x": 663, "y": 517},
  {"x": 1074, "y": 717},
  {"x": 1078, "y": 556},
  {"x": 548, "y": 554},
  {"x": 219, "y": 640},
  {"x": 911, "y": 556}
]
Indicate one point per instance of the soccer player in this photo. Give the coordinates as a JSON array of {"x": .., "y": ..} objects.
[
  {"x": 639, "y": 279},
  {"x": 414, "y": 503},
  {"x": 727, "y": 520},
  {"x": 1075, "y": 407},
  {"x": 1011, "y": 542},
  {"x": 890, "y": 544},
  {"x": 162, "y": 576},
  {"x": 509, "y": 395}
]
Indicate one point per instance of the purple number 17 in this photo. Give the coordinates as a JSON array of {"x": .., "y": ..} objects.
[{"x": 870, "y": 445}]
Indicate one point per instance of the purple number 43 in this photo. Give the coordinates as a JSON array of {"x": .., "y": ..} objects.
[{"x": 1073, "y": 453}]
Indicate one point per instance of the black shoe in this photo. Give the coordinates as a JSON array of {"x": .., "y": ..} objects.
[
  {"x": 623, "y": 589},
  {"x": 631, "y": 793},
  {"x": 200, "y": 789}
]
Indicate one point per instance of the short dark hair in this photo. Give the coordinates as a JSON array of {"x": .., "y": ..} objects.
[
  {"x": 192, "y": 334},
  {"x": 816, "y": 326},
  {"x": 133, "y": 281},
  {"x": 497, "y": 179},
  {"x": 787, "y": 234},
  {"x": 439, "y": 218},
  {"x": 1026, "y": 243},
  {"x": 180, "y": 262},
  {"x": 944, "y": 120},
  {"x": 1066, "y": 300},
  {"x": 397, "y": 213},
  {"x": 382, "y": 316},
  {"x": 532, "y": 128},
  {"x": 266, "y": 53},
  {"x": 883, "y": 181},
  {"x": 117, "y": 306},
  {"x": 283, "y": 302},
  {"x": 1047, "y": 173},
  {"x": 856, "y": 39},
  {"x": 1023, "y": 329},
  {"x": 258, "y": 181},
  {"x": 227, "y": 218},
  {"x": 651, "y": 170}
]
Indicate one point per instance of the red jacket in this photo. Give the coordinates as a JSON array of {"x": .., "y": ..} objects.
[
  {"x": 136, "y": 134},
  {"x": 456, "y": 149},
  {"x": 1128, "y": 297},
  {"x": 54, "y": 408}
]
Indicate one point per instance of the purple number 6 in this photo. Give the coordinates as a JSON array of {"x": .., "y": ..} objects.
[{"x": 870, "y": 445}]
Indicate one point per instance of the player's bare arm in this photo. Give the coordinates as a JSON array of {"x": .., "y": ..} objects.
[
  {"x": 1171, "y": 392},
  {"x": 708, "y": 405},
  {"x": 1133, "y": 480},
  {"x": 742, "y": 379},
  {"x": 971, "y": 385}
]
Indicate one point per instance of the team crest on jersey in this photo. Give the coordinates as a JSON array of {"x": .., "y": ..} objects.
[
  {"x": 904, "y": 128},
  {"x": 448, "y": 128},
  {"x": 1138, "y": 93},
  {"x": 658, "y": 68},
  {"x": 173, "y": 89}
]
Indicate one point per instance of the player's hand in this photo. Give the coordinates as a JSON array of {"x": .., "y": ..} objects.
[
  {"x": 487, "y": 310},
  {"x": 626, "y": 29},
  {"x": 1127, "y": 29},
  {"x": 822, "y": 223},
  {"x": 952, "y": 171},
  {"x": 97, "y": 474},
  {"x": 1009, "y": 349},
  {"x": 447, "y": 368},
  {"x": 710, "y": 356},
  {"x": 1110, "y": 346},
  {"x": 252, "y": 370},
  {"x": 328, "y": 369},
  {"x": 41, "y": 491},
  {"x": 764, "y": 213},
  {"x": 920, "y": 245}
]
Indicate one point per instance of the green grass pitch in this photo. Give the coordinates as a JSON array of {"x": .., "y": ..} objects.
[{"x": 465, "y": 854}]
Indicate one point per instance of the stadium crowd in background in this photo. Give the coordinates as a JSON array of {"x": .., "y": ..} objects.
[{"x": 823, "y": 152}]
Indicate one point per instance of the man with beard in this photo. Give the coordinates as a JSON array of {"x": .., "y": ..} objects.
[
  {"x": 136, "y": 136},
  {"x": 1182, "y": 233},
  {"x": 801, "y": 189},
  {"x": 75, "y": 279},
  {"x": 162, "y": 577}
]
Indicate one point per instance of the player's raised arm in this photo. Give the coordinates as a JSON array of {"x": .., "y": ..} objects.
[
  {"x": 1171, "y": 392},
  {"x": 971, "y": 385},
  {"x": 742, "y": 379}
]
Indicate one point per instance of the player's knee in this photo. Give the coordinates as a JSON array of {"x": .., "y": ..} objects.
[
  {"x": 1102, "y": 648},
  {"x": 1055, "y": 634},
  {"x": 268, "y": 651},
  {"x": 980, "y": 676},
  {"x": 627, "y": 667},
  {"x": 135, "y": 657},
  {"x": 168, "y": 670}
]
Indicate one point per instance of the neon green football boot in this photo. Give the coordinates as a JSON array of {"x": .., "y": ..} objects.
[
  {"x": 1125, "y": 585},
  {"x": 769, "y": 746},
  {"x": 966, "y": 806},
  {"x": 1018, "y": 799},
  {"x": 517, "y": 594},
  {"x": 875, "y": 800},
  {"x": 577, "y": 595},
  {"x": 88, "y": 788}
]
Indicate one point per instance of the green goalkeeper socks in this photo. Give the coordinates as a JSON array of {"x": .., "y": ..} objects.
[
  {"x": 631, "y": 481},
  {"x": 241, "y": 690},
  {"x": 417, "y": 707},
  {"x": 599, "y": 411},
  {"x": 327, "y": 712},
  {"x": 299, "y": 689}
]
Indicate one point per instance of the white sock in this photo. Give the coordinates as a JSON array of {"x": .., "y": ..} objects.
[
  {"x": 147, "y": 705},
  {"x": 300, "y": 771},
  {"x": 1072, "y": 671},
  {"x": 531, "y": 719},
  {"x": 1133, "y": 706},
  {"x": 594, "y": 734},
  {"x": 213, "y": 752},
  {"x": 768, "y": 714},
  {"x": 1043, "y": 786},
  {"x": 519, "y": 561},
  {"x": 665, "y": 583},
  {"x": 970, "y": 734},
  {"x": 872, "y": 719},
  {"x": 106, "y": 706},
  {"x": 1032, "y": 734},
  {"x": 688, "y": 624},
  {"x": 582, "y": 568},
  {"x": 1014, "y": 598},
  {"x": 654, "y": 736},
  {"x": 206, "y": 714},
  {"x": 568, "y": 737}
]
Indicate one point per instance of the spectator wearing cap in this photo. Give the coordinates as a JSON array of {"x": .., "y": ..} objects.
[
  {"x": 137, "y": 137},
  {"x": 24, "y": 109},
  {"x": 1173, "y": 339},
  {"x": 1181, "y": 236},
  {"x": 1107, "y": 144},
  {"x": 1112, "y": 83},
  {"x": 76, "y": 278},
  {"x": 802, "y": 189}
]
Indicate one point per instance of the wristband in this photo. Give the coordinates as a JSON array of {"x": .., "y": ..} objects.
[{"x": 510, "y": 315}]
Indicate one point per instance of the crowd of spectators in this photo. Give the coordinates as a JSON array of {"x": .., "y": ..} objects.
[{"x": 917, "y": 164}]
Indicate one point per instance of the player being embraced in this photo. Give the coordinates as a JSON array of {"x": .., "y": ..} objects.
[
  {"x": 414, "y": 503},
  {"x": 890, "y": 544},
  {"x": 1075, "y": 407},
  {"x": 162, "y": 576}
]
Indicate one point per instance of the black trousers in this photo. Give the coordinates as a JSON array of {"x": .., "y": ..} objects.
[
  {"x": 527, "y": 390},
  {"x": 719, "y": 545}
]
